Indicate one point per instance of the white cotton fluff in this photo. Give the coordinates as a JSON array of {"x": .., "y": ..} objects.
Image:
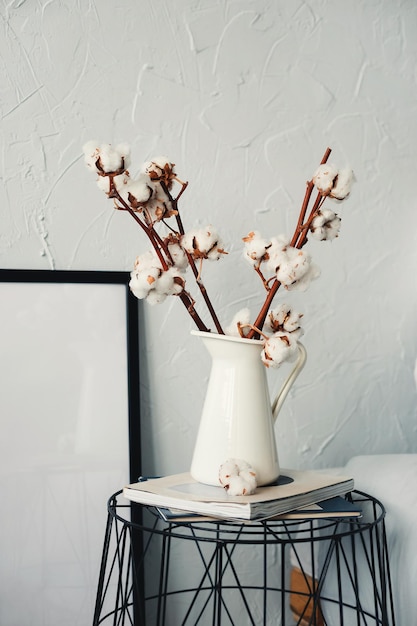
[
  {"x": 343, "y": 184},
  {"x": 120, "y": 182},
  {"x": 255, "y": 247},
  {"x": 276, "y": 251},
  {"x": 293, "y": 265},
  {"x": 283, "y": 317},
  {"x": 237, "y": 486},
  {"x": 142, "y": 281},
  {"x": 324, "y": 178},
  {"x": 304, "y": 282},
  {"x": 147, "y": 259},
  {"x": 282, "y": 346},
  {"x": 326, "y": 225},
  {"x": 146, "y": 271},
  {"x": 156, "y": 165},
  {"x": 237, "y": 477},
  {"x": 241, "y": 317},
  {"x": 203, "y": 243},
  {"x": 227, "y": 469},
  {"x": 91, "y": 151},
  {"x": 148, "y": 279},
  {"x": 140, "y": 189},
  {"x": 249, "y": 476},
  {"x": 157, "y": 209},
  {"x": 170, "y": 282},
  {"x": 154, "y": 297},
  {"x": 103, "y": 183},
  {"x": 110, "y": 159},
  {"x": 179, "y": 258}
]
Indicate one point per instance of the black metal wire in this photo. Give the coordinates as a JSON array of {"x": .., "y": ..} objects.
[{"x": 219, "y": 588}]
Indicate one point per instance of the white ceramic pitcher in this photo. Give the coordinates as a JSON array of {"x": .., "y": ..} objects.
[{"x": 238, "y": 418}]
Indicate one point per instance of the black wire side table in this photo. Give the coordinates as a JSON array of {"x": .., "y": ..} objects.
[{"x": 159, "y": 573}]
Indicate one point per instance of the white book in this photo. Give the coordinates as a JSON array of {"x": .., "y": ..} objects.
[
  {"x": 293, "y": 490},
  {"x": 337, "y": 507}
]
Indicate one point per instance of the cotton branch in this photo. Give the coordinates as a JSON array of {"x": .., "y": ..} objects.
[
  {"x": 298, "y": 240},
  {"x": 278, "y": 261},
  {"x": 194, "y": 269},
  {"x": 158, "y": 247}
]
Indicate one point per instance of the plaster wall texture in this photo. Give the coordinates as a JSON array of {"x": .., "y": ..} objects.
[{"x": 244, "y": 96}]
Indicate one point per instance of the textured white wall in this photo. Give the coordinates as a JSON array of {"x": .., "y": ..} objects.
[{"x": 244, "y": 96}]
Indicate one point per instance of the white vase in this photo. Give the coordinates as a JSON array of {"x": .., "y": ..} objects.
[{"x": 238, "y": 418}]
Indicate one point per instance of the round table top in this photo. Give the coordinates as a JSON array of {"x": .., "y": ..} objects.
[{"x": 273, "y": 530}]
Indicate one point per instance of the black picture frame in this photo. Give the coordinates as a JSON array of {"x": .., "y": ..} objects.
[
  {"x": 129, "y": 305},
  {"x": 132, "y": 330}
]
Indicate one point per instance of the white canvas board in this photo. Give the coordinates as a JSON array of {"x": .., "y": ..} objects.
[{"x": 64, "y": 445}]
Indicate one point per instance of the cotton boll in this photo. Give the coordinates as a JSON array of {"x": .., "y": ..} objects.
[
  {"x": 139, "y": 285},
  {"x": 124, "y": 151},
  {"x": 147, "y": 270},
  {"x": 343, "y": 184},
  {"x": 170, "y": 282},
  {"x": 156, "y": 164},
  {"x": 91, "y": 151},
  {"x": 104, "y": 158},
  {"x": 283, "y": 317},
  {"x": 204, "y": 240},
  {"x": 216, "y": 251},
  {"x": 255, "y": 248},
  {"x": 292, "y": 320},
  {"x": 137, "y": 191},
  {"x": 163, "y": 284},
  {"x": 178, "y": 255},
  {"x": 295, "y": 263},
  {"x": 326, "y": 225},
  {"x": 277, "y": 252},
  {"x": 238, "y": 486},
  {"x": 324, "y": 178},
  {"x": 241, "y": 317},
  {"x": 103, "y": 183},
  {"x": 120, "y": 182},
  {"x": 276, "y": 318},
  {"x": 154, "y": 297},
  {"x": 203, "y": 243},
  {"x": 142, "y": 281},
  {"x": 237, "y": 477},
  {"x": 110, "y": 159},
  {"x": 294, "y": 269},
  {"x": 188, "y": 241},
  {"x": 304, "y": 282},
  {"x": 249, "y": 476},
  {"x": 146, "y": 260},
  {"x": 242, "y": 465},
  {"x": 279, "y": 348},
  {"x": 227, "y": 469},
  {"x": 160, "y": 169}
]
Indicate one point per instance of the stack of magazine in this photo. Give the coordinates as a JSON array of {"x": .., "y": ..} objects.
[{"x": 297, "y": 494}]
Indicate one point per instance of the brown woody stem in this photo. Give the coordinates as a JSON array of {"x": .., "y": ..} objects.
[
  {"x": 154, "y": 237},
  {"x": 298, "y": 240},
  {"x": 203, "y": 290}
]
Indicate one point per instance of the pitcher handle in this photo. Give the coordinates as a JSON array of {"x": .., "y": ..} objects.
[{"x": 279, "y": 400}]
